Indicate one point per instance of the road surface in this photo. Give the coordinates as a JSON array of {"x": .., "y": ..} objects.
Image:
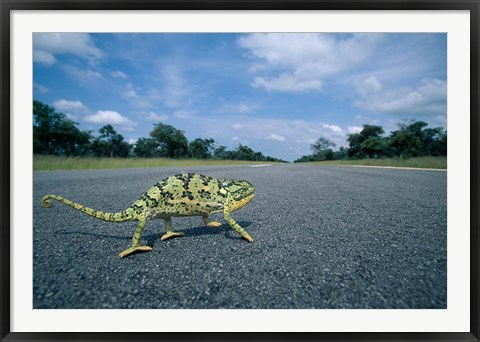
[{"x": 325, "y": 237}]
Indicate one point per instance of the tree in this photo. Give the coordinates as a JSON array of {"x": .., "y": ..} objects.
[
  {"x": 321, "y": 144},
  {"x": 83, "y": 143},
  {"x": 411, "y": 140},
  {"x": 220, "y": 152},
  {"x": 68, "y": 140},
  {"x": 414, "y": 139},
  {"x": 43, "y": 117},
  {"x": 243, "y": 152},
  {"x": 365, "y": 144},
  {"x": 405, "y": 144},
  {"x": 434, "y": 141},
  {"x": 439, "y": 145},
  {"x": 371, "y": 131},
  {"x": 201, "y": 148},
  {"x": 55, "y": 133},
  {"x": 146, "y": 148},
  {"x": 172, "y": 142},
  {"x": 321, "y": 149},
  {"x": 342, "y": 153},
  {"x": 110, "y": 143},
  {"x": 374, "y": 147}
]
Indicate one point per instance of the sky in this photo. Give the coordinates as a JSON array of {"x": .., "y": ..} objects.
[{"x": 275, "y": 92}]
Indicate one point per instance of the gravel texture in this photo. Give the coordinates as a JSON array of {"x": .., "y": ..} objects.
[{"x": 325, "y": 237}]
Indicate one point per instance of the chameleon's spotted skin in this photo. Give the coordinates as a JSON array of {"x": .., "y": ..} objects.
[{"x": 186, "y": 194}]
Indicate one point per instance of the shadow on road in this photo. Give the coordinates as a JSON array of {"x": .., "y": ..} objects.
[{"x": 151, "y": 239}]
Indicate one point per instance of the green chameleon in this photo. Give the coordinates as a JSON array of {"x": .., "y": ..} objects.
[{"x": 186, "y": 194}]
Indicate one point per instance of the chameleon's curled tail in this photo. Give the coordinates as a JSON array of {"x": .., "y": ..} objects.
[{"x": 122, "y": 216}]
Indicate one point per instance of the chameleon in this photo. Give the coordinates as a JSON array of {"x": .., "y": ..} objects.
[{"x": 185, "y": 194}]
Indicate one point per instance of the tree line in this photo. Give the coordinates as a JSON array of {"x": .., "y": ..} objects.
[
  {"x": 55, "y": 134},
  {"x": 410, "y": 140}
]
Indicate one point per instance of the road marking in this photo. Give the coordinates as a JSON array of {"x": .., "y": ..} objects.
[
  {"x": 261, "y": 165},
  {"x": 395, "y": 167}
]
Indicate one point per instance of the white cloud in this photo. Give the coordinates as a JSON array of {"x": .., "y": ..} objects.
[
  {"x": 439, "y": 121},
  {"x": 369, "y": 120},
  {"x": 183, "y": 114},
  {"x": 275, "y": 137},
  {"x": 301, "y": 61},
  {"x": 152, "y": 116},
  {"x": 130, "y": 92},
  {"x": 300, "y": 133},
  {"x": 267, "y": 130},
  {"x": 264, "y": 134},
  {"x": 43, "y": 57},
  {"x": 354, "y": 129},
  {"x": 369, "y": 85},
  {"x": 110, "y": 117},
  {"x": 86, "y": 78},
  {"x": 65, "y": 105},
  {"x": 238, "y": 126},
  {"x": 334, "y": 128},
  {"x": 47, "y": 45},
  {"x": 176, "y": 91},
  {"x": 119, "y": 74},
  {"x": 429, "y": 97},
  {"x": 287, "y": 83},
  {"x": 40, "y": 88},
  {"x": 243, "y": 108},
  {"x": 235, "y": 108},
  {"x": 133, "y": 95}
]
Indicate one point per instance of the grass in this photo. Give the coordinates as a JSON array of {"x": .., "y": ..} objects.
[
  {"x": 45, "y": 163},
  {"x": 416, "y": 162}
]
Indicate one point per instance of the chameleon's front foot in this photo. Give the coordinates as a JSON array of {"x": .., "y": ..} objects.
[
  {"x": 247, "y": 237},
  {"x": 134, "y": 249},
  {"x": 171, "y": 234}
]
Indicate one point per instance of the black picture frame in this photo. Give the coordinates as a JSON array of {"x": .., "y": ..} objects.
[{"x": 7, "y": 6}]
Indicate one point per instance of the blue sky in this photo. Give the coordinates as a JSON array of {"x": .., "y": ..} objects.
[{"x": 275, "y": 92}]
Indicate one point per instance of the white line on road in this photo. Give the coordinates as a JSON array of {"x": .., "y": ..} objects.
[
  {"x": 395, "y": 167},
  {"x": 261, "y": 165}
]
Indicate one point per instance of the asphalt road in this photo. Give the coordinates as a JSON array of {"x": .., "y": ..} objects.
[{"x": 325, "y": 237}]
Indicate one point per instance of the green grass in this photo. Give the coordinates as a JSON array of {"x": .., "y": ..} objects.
[
  {"x": 43, "y": 163},
  {"x": 417, "y": 162}
]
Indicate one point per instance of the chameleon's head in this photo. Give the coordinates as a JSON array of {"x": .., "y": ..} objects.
[{"x": 241, "y": 191}]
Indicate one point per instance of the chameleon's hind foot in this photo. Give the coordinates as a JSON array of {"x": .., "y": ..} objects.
[
  {"x": 170, "y": 235},
  {"x": 209, "y": 223},
  {"x": 136, "y": 249}
]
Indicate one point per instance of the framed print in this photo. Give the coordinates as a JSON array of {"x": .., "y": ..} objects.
[{"x": 239, "y": 170}]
